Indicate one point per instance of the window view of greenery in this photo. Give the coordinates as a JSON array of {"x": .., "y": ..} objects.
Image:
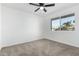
[
  {"x": 68, "y": 23},
  {"x": 65, "y": 23}
]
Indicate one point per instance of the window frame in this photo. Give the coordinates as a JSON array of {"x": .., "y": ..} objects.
[{"x": 61, "y": 17}]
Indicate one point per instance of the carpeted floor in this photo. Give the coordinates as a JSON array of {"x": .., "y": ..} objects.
[{"x": 41, "y": 47}]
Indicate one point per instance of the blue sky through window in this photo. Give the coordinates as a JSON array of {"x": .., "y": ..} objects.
[
  {"x": 55, "y": 23},
  {"x": 67, "y": 19}
]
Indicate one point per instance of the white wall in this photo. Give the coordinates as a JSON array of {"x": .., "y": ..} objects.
[
  {"x": 19, "y": 27},
  {"x": 67, "y": 37},
  {"x": 0, "y": 26}
]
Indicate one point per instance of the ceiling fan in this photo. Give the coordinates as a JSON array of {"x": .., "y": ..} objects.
[{"x": 42, "y": 6}]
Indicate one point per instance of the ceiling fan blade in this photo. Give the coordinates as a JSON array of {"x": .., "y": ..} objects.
[
  {"x": 45, "y": 10},
  {"x": 49, "y": 5},
  {"x": 37, "y": 9},
  {"x": 33, "y": 4},
  {"x": 41, "y": 4}
]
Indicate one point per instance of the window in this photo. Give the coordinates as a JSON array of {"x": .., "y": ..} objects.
[
  {"x": 56, "y": 24},
  {"x": 65, "y": 23}
]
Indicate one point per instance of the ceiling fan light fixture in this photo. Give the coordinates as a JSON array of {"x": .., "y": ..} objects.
[{"x": 41, "y": 8}]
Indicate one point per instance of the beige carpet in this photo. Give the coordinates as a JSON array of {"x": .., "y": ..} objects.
[{"x": 41, "y": 47}]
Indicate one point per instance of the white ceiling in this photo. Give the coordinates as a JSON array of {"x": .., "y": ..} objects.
[{"x": 30, "y": 8}]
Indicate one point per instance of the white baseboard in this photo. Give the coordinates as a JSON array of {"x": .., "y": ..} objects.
[
  {"x": 53, "y": 39},
  {"x": 7, "y": 45}
]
